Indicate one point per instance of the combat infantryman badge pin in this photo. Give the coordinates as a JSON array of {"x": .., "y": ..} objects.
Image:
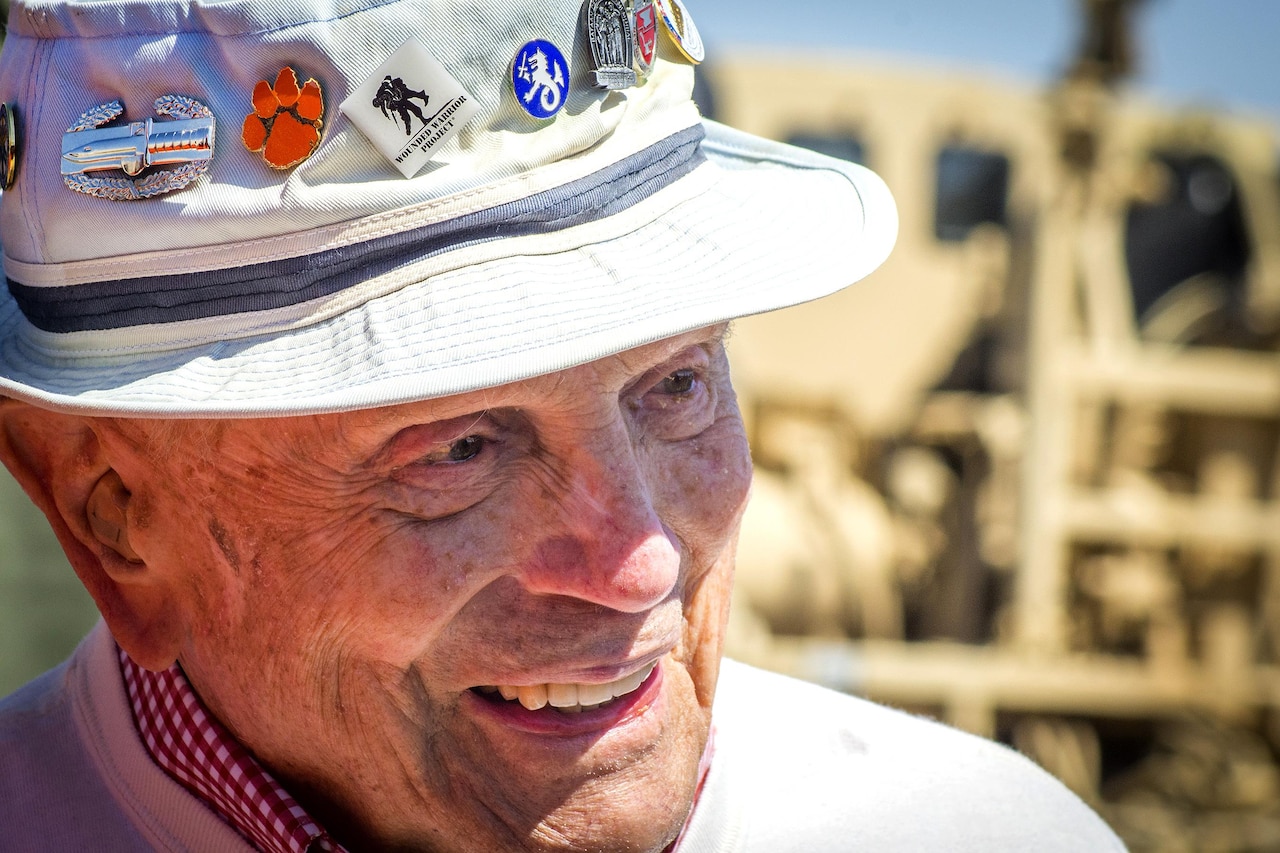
[
  {"x": 610, "y": 33},
  {"x": 539, "y": 76},
  {"x": 187, "y": 143},
  {"x": 286, "y": 120},
  {"x": 646, "y": 36},
  {"x": 410, "y": 106},
  {"x": 8, "y": 145},
  {"x": 680, "y": 27}
]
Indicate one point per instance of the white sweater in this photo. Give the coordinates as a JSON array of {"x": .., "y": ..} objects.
[
  {"x": 74, "y": 774},
  {"x": 802, "y": 769}
]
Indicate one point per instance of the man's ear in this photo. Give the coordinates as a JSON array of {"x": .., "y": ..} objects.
[
  {"x": 63, "y": 467},
  {"x": 108, "y": 514}
]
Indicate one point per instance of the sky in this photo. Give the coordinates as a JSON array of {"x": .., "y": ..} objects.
[{"x": 1219, "y": 53}]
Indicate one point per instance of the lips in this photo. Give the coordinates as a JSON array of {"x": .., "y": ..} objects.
[{"x": 571, "y": 697}]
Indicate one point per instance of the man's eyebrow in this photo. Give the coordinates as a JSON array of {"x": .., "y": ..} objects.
[
  {"x": 475, "y": 421},
  {"x": 720, "y": 334},
  {"x": 713, "y": 333}
]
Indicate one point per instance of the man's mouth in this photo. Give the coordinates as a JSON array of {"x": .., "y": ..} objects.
[{"x": 569, "y": 698}]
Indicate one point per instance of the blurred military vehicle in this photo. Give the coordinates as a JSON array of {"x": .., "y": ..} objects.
[{"x": 1027, "y": 476}]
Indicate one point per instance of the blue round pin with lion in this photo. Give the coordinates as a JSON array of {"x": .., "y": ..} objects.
[{"x": 540, "y": 77}]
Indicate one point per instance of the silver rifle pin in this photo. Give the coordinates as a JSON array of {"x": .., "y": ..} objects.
[{"x": 185, "y": 143}]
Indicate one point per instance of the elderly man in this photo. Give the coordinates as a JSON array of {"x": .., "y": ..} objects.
[{"x": 404, "y": 467}]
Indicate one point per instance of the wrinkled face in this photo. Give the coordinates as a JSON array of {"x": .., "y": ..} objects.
[{"x": 388, "y": 606}]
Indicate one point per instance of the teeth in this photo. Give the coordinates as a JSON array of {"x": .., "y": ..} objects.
[
  {"x": 533, "y": 696},
  {"x": 562, "y": 695},
  {"x": 595, "y": 694},
  {"x": 632, "y": 681},
  {"x": 571, "y": 698}
]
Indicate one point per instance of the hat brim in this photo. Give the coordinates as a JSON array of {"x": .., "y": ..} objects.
[{"x": 759, "y": 226}]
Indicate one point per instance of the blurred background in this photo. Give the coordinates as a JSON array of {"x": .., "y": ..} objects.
[{"x": 1026, "y": 478}]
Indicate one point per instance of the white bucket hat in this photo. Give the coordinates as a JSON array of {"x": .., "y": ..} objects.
[{"x": 521, "y": 245}]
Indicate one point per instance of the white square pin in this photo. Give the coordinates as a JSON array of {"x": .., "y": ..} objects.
[{"x": 409, "y": 107}]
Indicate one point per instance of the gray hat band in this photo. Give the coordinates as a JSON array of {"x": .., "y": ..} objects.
[{"x": 278, "y": 284}]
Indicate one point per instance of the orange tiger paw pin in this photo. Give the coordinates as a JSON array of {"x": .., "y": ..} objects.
[{"x": 286, "y": 120}]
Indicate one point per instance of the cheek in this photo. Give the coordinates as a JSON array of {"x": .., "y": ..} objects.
[
  {"x": 394, "y": 583},
  {"x": 294, "y": 585},
  {"x": 701, "y": 489}
]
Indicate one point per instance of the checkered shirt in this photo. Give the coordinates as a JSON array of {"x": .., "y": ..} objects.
[{"x": 203, "y": 757}]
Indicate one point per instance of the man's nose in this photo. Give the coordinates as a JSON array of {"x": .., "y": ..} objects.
[{"x": 608, "y": 544}]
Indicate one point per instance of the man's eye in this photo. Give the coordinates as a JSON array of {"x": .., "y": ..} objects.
[
  {"x": 678, "y": 406},
  {"x": 467, "y": 447},
  {"x": 679, "y": 382}
]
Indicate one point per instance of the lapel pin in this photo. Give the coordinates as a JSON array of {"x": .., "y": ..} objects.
[
  {"x": 646, "y": 30},
  {"x": 8, "y": 145},
  {"x": 185, "y": 143},
  {"x": 286, "y": 120},
  {"x": 409, "y": 107},
  {"x": 610, "y": 34},
  {"x": 680, "y": 27},
  {"x": 539, "y": 75}
]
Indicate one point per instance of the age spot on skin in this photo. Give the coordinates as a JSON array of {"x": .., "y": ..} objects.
[{"x": 223, "y": 540}]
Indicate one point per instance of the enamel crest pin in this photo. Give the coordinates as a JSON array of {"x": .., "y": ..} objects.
[
  {"x": 540, "y": 77},
  {"x": 8, "y": 145},
  {"x": 646, "y": 31},
  {"x": 680, "y": 27},
  {"x": 610, "y": 32},
  {"x": 185, "y": 143},
  {"x": 286, "y": 120}
]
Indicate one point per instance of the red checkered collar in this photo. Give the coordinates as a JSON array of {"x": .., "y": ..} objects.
[
  {"x": 206, "y": 759},
  {"x": 203, "y": 757}
]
